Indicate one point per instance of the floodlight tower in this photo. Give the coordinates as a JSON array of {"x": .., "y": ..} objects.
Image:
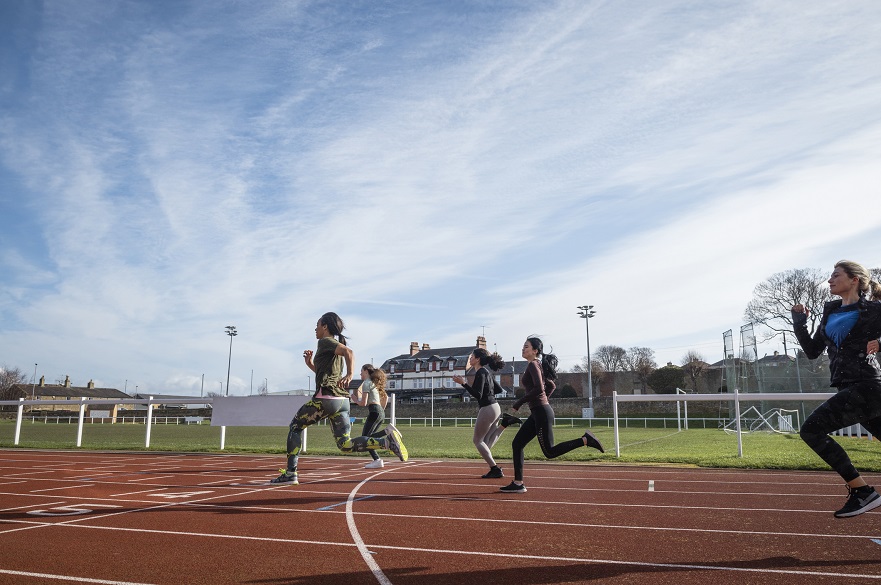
[
  {"x": 586, "y": 312},
  {"x": 231, "y": 331}
]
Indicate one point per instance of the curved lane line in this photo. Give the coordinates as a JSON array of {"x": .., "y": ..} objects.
[{"x": 356, "y": 536}]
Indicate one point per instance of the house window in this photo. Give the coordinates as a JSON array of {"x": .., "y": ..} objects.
[
  {"x": 419, "y": 383},
  {"x": 391, "y": 385},
  {"x": 418, "y": 364},
  {"x": 452, "y": 364},
  {"x": 391, "y": 368}
]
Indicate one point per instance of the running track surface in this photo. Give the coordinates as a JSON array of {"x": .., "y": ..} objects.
[{"x": 90, "y": 517}]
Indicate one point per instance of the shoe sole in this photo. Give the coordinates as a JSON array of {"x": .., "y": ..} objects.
[
  {"x": 870, "y": 506},
  {"x": 270, "y": 482},
  {"x": 523, "y": 491},
  {"x": 397, "y": 446}
]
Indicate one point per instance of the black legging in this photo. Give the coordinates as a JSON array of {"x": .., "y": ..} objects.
[
  {"x": 540, "y": 424},
  {"x": 857, "y": 403},
  {"x": 375, "y": 417}
]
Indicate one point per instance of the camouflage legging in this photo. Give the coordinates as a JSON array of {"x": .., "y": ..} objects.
[
  {"x": 337, "y": 412},
  {"x": 857, "y": 403}
]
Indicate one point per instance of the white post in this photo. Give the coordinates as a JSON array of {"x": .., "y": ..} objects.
[
  {"x": 222, "y": 437},
  {"x": 149, "y": 420},
  {"x": 737, "y": 415},
  {"x": 303, "y": 440},
  {"x": 18, "y": 420},
  {"x": 392, "y": 412},
  {"x": 678, "y": 413},
  {"x": 79, "y": 431},
  {"x": 615, "y": 417}
]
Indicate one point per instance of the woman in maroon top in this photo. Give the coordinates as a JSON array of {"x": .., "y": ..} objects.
[{"x": 538, "y": 380}]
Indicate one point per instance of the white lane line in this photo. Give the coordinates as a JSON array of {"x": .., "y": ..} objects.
[
  {"x": 636, "y": 563},
  {"x": 66, "y": 487},
  {"x": 651, "y": 485},
  {"x": 66, "y": 578},
  {"x": 486, "y": 553},
  {"x": 356, "y": 536},
  {"x": 30, "y": 506}
]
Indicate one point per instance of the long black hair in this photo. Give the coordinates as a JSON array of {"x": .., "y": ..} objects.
[
  {"x": 548, "y": 360},
  {"x": 334, "y": 325},
  {"x": 493, "y": 360}
]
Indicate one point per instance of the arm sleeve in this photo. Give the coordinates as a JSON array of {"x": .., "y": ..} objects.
[
  {"x": 479, "y": 381},
  {"x": 533, "y": 388},
  {"x": 812, "y": 346}
]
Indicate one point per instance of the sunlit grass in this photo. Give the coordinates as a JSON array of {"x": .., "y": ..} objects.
[{"x": 700, "y": 447}]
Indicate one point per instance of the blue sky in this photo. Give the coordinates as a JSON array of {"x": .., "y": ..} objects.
[{"x": 425, "y": 169}]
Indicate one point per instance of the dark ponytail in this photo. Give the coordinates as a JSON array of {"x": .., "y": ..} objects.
[
  {"x": 334, "y": 325},
  {"x": 493, "y": 360},
  {"x": 548, "y": 360}
]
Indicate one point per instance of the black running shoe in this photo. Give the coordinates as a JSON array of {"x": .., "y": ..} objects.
[
  {"x": 510, "y": 419},
  {"x": 859, "y": 500},
  {"x": 288, "y": 477},
  {"x": 513, "y": 488},
  {"x": 493, "y": 473},
  {"x": 593, "y": 442}
]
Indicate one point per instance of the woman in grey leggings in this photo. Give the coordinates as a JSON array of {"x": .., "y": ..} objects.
[{"x": 487, "y": 429}]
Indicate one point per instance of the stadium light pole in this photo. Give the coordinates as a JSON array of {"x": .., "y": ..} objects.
[
  {"x": 231, "y": 331},
  {"x": 34, "y": 387},
  {"x": 586, "y": 312}
]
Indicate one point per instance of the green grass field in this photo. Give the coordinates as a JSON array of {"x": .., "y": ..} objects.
[{"x": 700, "y": 447}]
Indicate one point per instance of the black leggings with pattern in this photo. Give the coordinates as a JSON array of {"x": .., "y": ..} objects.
[
  {"x": 540, "y": 424},
  {"x": 853, "y": 404}
]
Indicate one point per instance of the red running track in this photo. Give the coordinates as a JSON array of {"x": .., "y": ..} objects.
[{"x": 123, "y": 518}]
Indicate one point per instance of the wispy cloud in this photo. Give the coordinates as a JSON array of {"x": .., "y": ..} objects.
[{"x": 421, "y": 170}]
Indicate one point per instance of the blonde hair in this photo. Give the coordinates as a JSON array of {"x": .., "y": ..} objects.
[
  {"x": 867, "y": 285},
  {"x": 377, "y": 376}
]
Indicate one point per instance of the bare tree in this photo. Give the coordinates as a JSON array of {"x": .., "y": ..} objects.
[
  {"x": 641, "y": 361},
  {"x": 612, "y": 358},
  {"x": 774, "y": 298},
  {"x": 694, "y": 365},
  {"x": 262, "y": 390},
  {"x": 9, "y": 377}
]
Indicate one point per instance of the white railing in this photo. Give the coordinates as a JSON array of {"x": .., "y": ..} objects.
[
  {"x": 736, "y": 397},
  {"x": 96, "y": 402}
]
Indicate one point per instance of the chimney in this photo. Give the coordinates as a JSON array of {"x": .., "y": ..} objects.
[
  {"x": 425, "y": 346},
  {"x": 67, "y": 381},
  {"x": 414, "y": 347},
  {"x": 481, "y": 341},
  {"x": 91, "y": 385},
  {"x": 42, "y": 381}
]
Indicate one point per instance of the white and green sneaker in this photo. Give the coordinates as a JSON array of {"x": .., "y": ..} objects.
[{"x": 395, "y": 444}]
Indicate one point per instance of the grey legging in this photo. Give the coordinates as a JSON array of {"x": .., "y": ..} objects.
[{"x": 485, "y": 431}]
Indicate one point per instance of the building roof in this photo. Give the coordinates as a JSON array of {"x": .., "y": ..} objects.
[{"x": 62, "y": 391}]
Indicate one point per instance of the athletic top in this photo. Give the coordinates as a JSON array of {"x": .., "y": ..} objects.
[
  {"x": 840, "y": 322},
  {"x": 537, "y": 389},
  {"x": 484, "y": 388},
  {"x": 328, "y": 370},
  {"x": 372, "y": 393}
]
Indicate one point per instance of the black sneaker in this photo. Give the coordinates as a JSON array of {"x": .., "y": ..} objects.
[
  {"x": 859, "y": 500},
  {"x": 513, "y": 488},
  {"x": 592, "y": 441},
  {"x": 510, "y": 419},
  {"x": 288, "y": 477},
  {"x": 493, "y": 473}
]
